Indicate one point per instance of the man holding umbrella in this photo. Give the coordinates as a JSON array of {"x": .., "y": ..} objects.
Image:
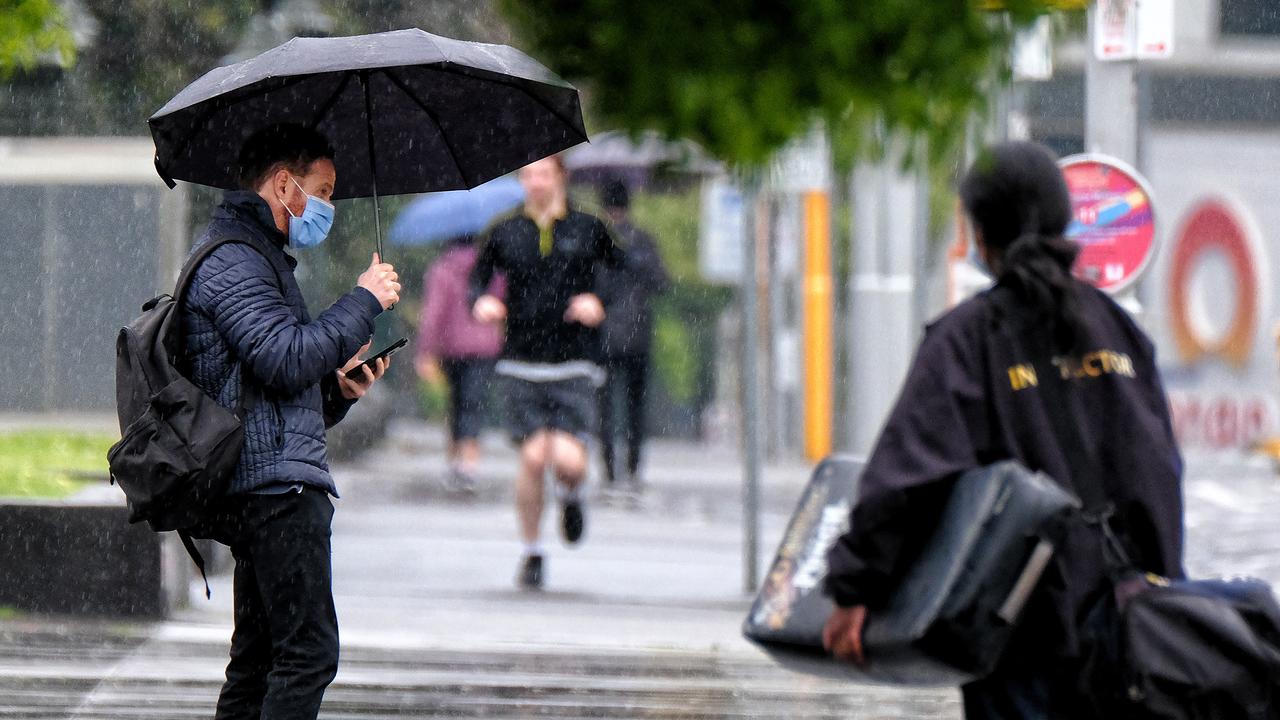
[
  {"x": 550, "y": 253},
  {"x": 247, "y": 332},
  {"x": 406, "y": 111}
]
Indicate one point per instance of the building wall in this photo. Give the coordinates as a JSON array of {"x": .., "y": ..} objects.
[
  {"x": 1211, "y": 134},
  {"x": 1223, "y": 397},
  {"x": 87, "y": 234}
]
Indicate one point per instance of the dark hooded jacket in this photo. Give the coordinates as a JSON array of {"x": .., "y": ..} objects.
[
  {"x": 972, "y": 398},
  {"x": 627, "y": 293},
  {"x": 244, "y": 320}
]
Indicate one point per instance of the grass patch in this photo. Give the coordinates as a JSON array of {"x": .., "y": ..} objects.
[{"x": 50, "y": 463}]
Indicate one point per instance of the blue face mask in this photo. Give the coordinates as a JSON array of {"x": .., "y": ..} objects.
[{"x": 312, "y": 226}]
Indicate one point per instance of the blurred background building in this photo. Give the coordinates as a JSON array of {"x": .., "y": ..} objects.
[
  {"x": 1209, "y": 143},
  {"x": 851, "y": 264}
]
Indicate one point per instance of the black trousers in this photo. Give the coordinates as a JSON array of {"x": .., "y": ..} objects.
[
  {"x": 469, "y": 381},
  {"x": 284, "y": 650},
  {"x": 627, "y": 376},
  {"x": 1029, "y": 691}
]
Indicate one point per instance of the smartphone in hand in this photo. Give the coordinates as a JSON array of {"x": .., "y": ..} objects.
[{"x": 357, "y": 372}]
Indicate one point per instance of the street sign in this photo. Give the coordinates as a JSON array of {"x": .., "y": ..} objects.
[
  {"x": 1133, "y": 29},
  {"x": 804, "y": 165},
  {"x": 1115, "y": 29},
  {"x": 1112, "y": 220},
  {"x": 1033, "y": 51},
  {"x": 721, "y": 242},
  {"x": 1155, "y": 29}
]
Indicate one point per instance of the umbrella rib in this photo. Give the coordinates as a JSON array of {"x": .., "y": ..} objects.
[
  {"x": 333, "y": 100},
  {"x": 506, "y": 80},
  {"x": 444, "y": 137}
]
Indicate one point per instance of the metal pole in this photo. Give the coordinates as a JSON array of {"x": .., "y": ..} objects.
[
  {"x": 1114, "y": 104},
  {"x": 1111, "y": 103},
  {"x": 752, "y": 440}
]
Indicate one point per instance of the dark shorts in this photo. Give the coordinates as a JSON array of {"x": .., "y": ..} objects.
[
  {"x": 568, "y": 405},
  {"x": 468, "y": 396}
]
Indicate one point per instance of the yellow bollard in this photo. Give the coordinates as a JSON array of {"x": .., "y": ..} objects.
[{"x": 818, "y": 354}]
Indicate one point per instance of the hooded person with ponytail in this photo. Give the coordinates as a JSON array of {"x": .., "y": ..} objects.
[{"x": 972, "y": 398}]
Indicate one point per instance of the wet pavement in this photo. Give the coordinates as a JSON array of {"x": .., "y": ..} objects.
[{"x": 640, "y": 621}]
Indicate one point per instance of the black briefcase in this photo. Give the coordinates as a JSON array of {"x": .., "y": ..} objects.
[{"x": 949, "y": 619}]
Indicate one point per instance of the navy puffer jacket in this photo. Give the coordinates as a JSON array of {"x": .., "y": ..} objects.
[{"x": 244, "y": 319}]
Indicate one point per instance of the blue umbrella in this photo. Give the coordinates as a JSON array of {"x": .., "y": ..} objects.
[{"x": 443, "y": 215}]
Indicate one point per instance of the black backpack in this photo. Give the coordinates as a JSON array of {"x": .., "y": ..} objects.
[{"x": 178, "y": 448}]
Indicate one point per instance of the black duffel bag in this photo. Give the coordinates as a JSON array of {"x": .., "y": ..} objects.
[
  {"x": 949, "y": 619},
  {"x": 1167, "y": 650},
  {"x": 1184, "y": 650}
]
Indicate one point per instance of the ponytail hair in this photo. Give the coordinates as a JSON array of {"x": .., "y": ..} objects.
[{"x": 1017, "y": 198}]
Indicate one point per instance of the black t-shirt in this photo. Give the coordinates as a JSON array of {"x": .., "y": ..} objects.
[
  {"x": 539, "y": 287},
  {"x": 972, "y": 398}
]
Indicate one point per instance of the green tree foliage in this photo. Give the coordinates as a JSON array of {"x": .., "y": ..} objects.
[
  {"x": 30, "y": 29},
  {"x": 742, "y": 77},
  {"x": 144, "y": 51},
  {"x": 148, "y": 50},
  {"x": 462, "y": 19}
]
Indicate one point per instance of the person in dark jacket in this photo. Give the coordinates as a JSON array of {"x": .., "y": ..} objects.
[
  {"x": 973, "y": 397},
  {"x": 626, "y": 339},
  {"x": 550, "y": 253},
  {"x": 246, "y": 331}
]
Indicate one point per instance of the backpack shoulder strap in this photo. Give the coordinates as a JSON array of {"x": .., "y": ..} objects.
[
  {"x": 249, "y": 391},
  {"x": 196, "y": 557},
  {"x": 189, "y": 269}
]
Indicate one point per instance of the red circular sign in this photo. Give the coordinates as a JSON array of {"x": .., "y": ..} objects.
[
  {"x": 1111, "y": 219},
  {"x": 1213, "y": 226}
]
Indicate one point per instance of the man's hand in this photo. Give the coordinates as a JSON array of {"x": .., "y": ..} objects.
[
  {"x": 429, "y": 369},
  {"x": 355, "y": 389},
  {"x": 381, "y": 280},
  {"x": 585, "y": 309},
  {"x": 842, "y": 635},
  {"x": 489, "y": 309}
]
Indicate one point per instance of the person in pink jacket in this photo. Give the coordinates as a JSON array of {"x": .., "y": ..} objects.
[{"x": 452, "y": 346}]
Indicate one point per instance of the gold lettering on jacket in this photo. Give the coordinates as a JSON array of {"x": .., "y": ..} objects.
[
  {"x": 1089, "y": 365},
  {"x": 1095, "y": 364},
  {"x": 1022, "y": 377}
]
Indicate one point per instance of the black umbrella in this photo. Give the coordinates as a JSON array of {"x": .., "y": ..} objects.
[{"x": 406, "y": 112}]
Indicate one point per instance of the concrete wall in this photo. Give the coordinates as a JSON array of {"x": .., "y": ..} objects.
[{"x": 87, "y": 233}]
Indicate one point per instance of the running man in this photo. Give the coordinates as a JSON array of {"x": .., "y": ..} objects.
[{"x": 550, "y": 253}]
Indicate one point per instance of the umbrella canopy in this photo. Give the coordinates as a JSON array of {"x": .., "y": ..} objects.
[
  {"x": 441, "y": 216},
  {"x": 406, "y": 111}
]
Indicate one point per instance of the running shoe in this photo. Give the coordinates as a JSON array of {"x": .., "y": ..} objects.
[
  {"x": 572, "y": 521},
  {"x": 531, "y": 572}
]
